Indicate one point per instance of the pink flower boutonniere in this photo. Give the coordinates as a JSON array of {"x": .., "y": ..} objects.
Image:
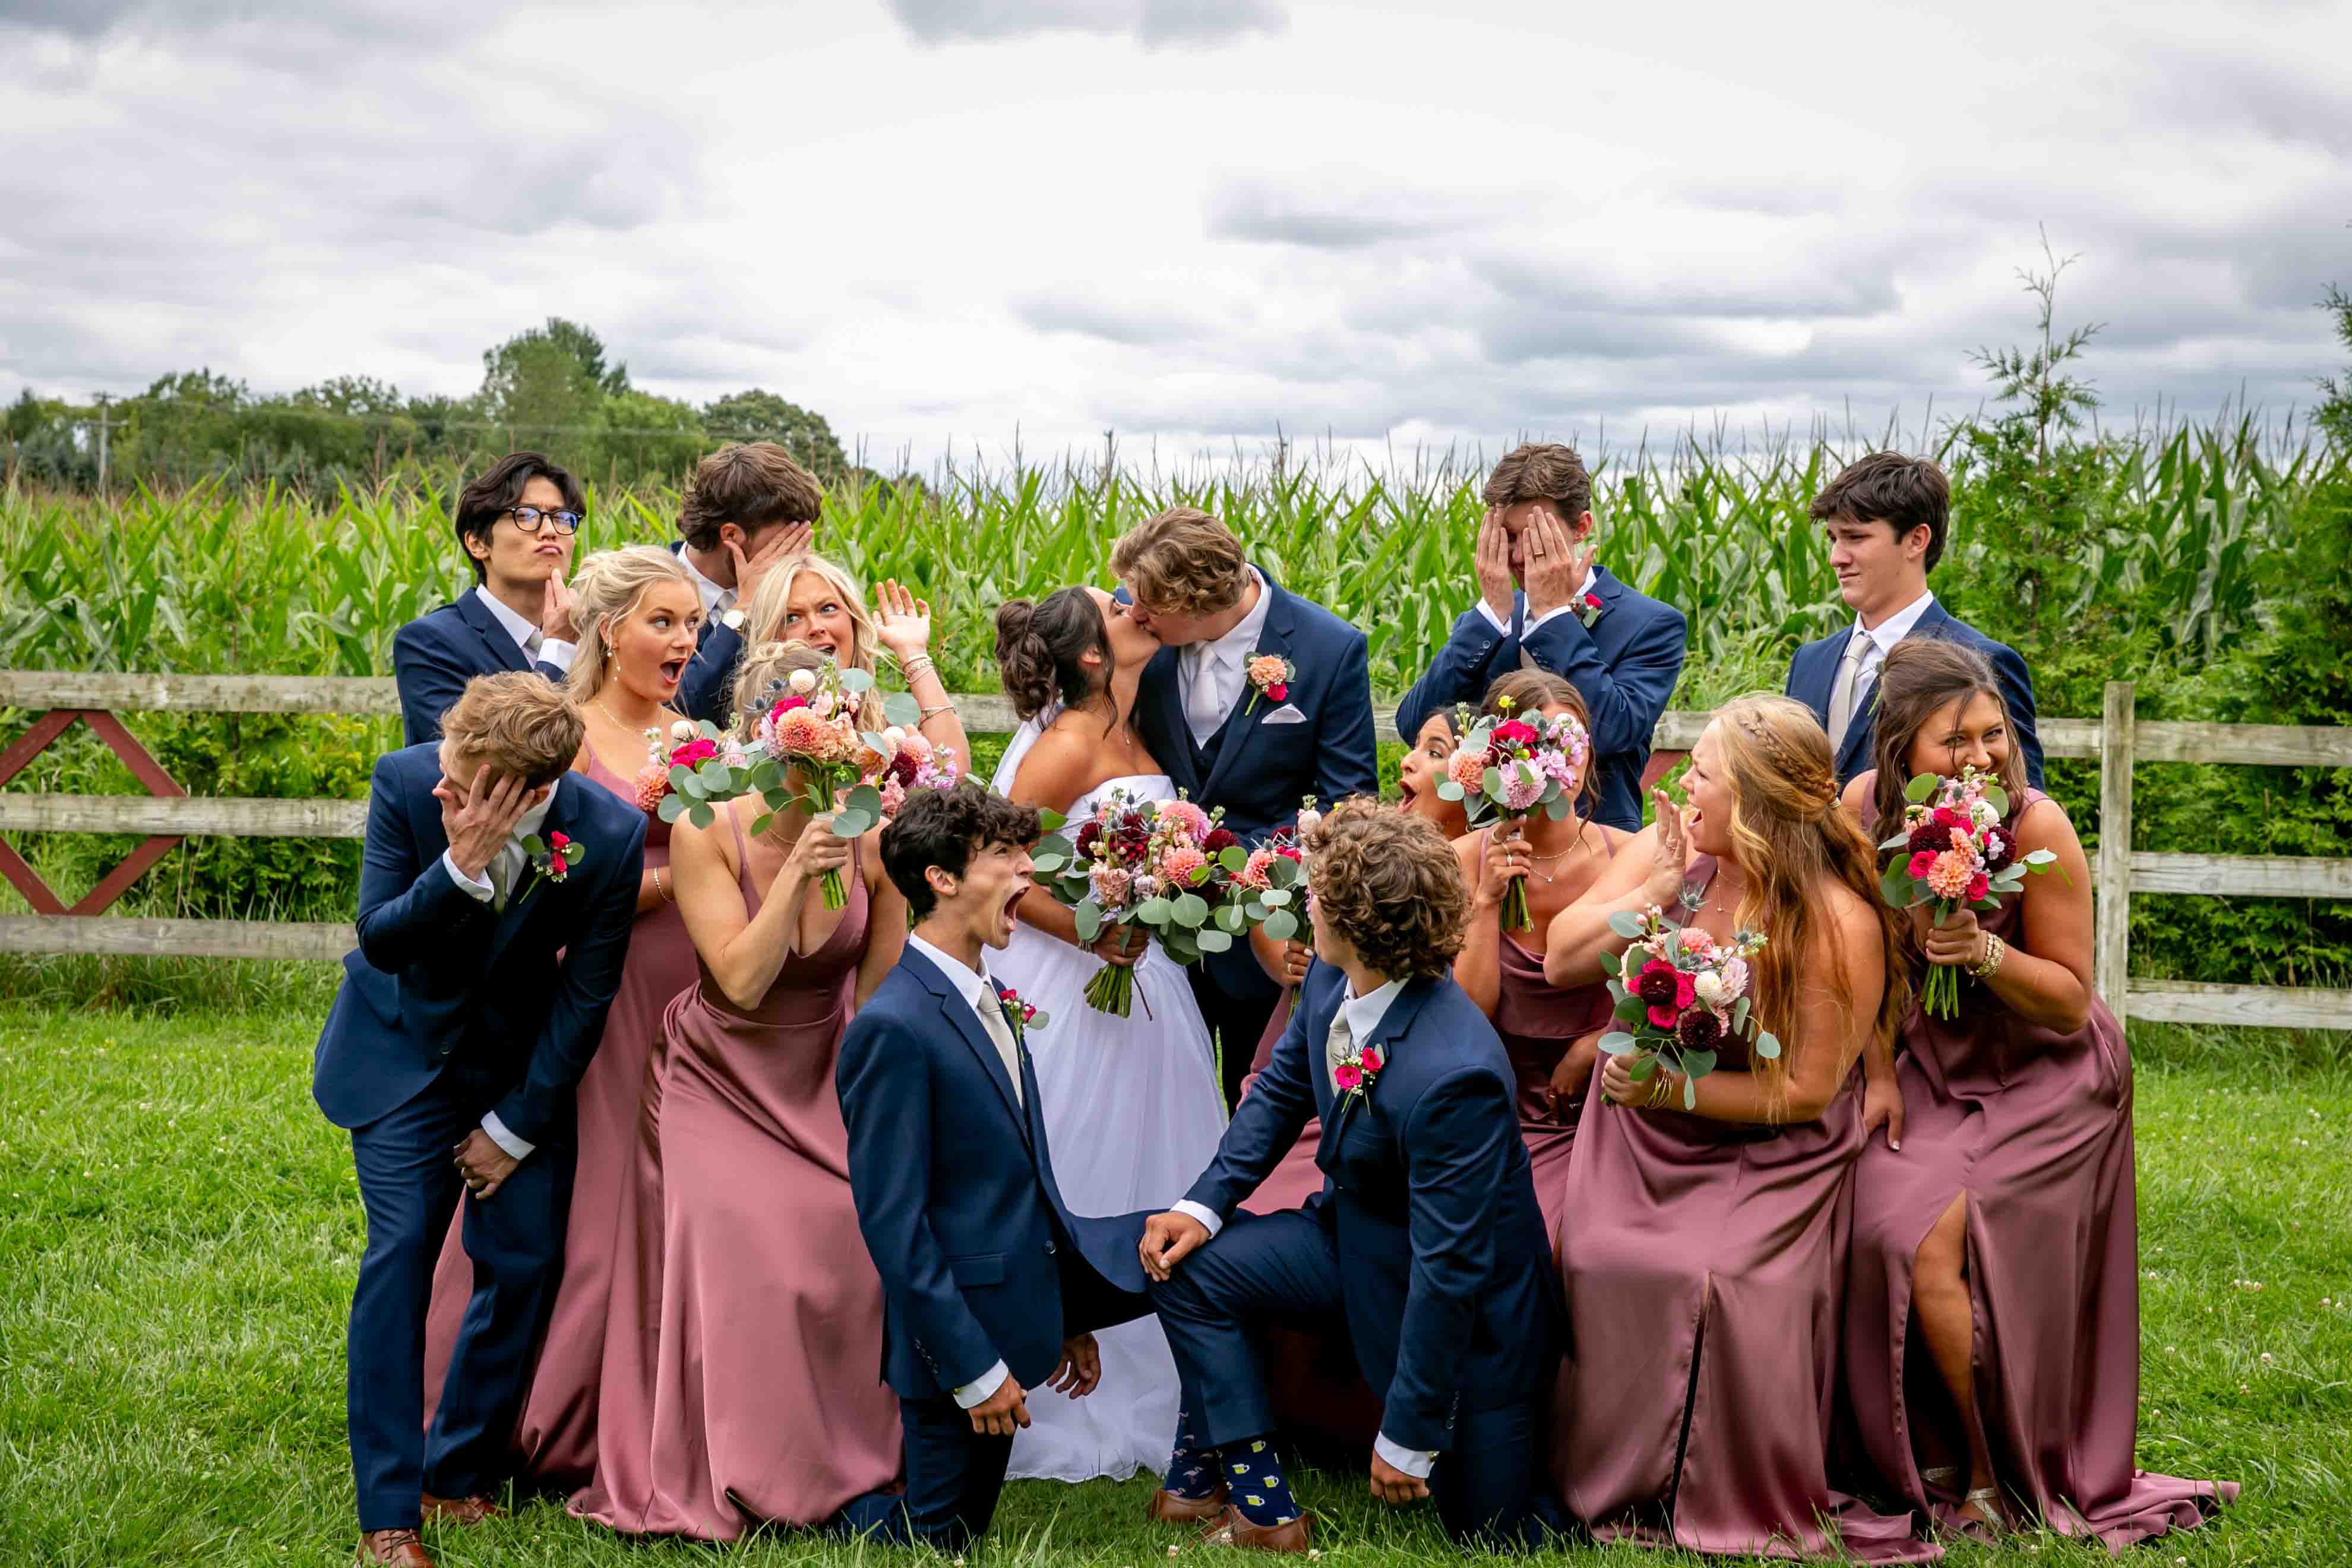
[
  {"x": 1271, "y": 674},
  {"x": 1589, "y": 608},
  {"x": 551, "y": 860},
  {"x": 1356, "y": 1074},
  {"x": 1018, "y": 1013}
]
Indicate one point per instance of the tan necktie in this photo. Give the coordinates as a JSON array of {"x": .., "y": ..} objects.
[
  {"x": 505, "y": 871},
  {"x": 1337, "y": 1046},
  {"x": 1204, "y": 713},
  {"x": 532, "y": 644},
  {"x": 1000, "y": 1030},
  {"x": 1843, "y": 689}
]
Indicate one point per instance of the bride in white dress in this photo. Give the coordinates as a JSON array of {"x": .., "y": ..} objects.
[{"x": 1132, "y": 1105}]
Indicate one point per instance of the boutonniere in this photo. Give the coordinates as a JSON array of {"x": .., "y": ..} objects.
[
  {"x": 1271, "y": 674},
  {"x": 1018, "y": 1015},
  {"x": 732, "y": 619},
  {"x": 1589, "y": 608},
  {"x": 551, "y": 859},
  {"x": 1358, "y": 1071}
]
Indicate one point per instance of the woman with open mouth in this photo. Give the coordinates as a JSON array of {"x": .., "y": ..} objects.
[
  {"x": 636, "y": 618},
  {"x": 814, "y": 601}
]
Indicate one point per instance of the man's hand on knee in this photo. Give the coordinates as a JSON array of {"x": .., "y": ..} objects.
[
  {"x": 1167, "y": 1239},
  {"x": 1004, "y": 1411}
]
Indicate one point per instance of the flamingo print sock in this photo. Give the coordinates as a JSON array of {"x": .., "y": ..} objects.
[{"x": 1193, "y": 1470}]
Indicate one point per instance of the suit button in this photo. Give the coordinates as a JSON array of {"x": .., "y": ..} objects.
[{"x": 1049, "y": 1250}]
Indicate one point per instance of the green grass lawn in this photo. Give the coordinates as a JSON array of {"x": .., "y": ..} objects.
[{"x": 179, "y": 1230}]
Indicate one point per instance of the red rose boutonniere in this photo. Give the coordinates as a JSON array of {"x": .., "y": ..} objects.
[
  {"x": 1358, "y": 1072},
  {"x": 1018, "y": 1015},
  {"x": 1271, "y": 674},
  {"x": 1589, "y": 608},
  {"x": 551, "y": 860}
]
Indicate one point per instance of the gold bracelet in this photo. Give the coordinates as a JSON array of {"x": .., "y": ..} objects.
[
  {"x": 915, "y": 666},
  {"x": 659, "y": 887},
  {"x": 930, "y": 713},
  {"x": 1989, "y": 965}
]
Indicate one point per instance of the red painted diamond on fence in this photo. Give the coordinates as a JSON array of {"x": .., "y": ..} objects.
[{"x": 144, "y": 768}]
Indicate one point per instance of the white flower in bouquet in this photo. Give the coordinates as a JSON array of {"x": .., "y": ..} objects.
[
  {"x": 1709, "y": 986},
  {"x": 683, "y": 731},
  {"x": 801, "y": 682}
]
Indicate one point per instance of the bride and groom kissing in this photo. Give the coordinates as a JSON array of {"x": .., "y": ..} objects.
[{"x": 1014, "y": 1185}]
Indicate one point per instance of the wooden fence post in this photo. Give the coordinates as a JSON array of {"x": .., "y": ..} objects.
[{"x": 2113, "y": 953}]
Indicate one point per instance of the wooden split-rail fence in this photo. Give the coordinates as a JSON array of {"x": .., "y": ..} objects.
[{"x": 167, "y": 814}]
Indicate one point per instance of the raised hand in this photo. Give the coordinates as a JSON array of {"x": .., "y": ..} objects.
[
  {"x": 479, "y": 821},
  {"x": 1670, "y": 852},
  {"x": 1169, "y": 1239},
  {"x": 1496, "y": 585},
  {"x": 1556, "y": 561},
  {"x": 902, "y": 622},
  {"x": 793, "y": 538},
  {"x": 1507, "y": 856},
  {"x": 556, "y": 610}
]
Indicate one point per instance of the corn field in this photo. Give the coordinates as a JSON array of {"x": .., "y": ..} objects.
[{"x": 220, "y": 578}]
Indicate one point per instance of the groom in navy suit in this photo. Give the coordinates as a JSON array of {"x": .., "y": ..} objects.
[
  {"x": 1886, "y": 516},
  {"x": 1229, "y": 738},
  {"x": 1426, "y": 1240},
  {"x": 474, "y": 1002},
  {"x": 1545, "y": 600},
  {"x": 518, "y": 524},
  {"x": 989, "y": 1286}
]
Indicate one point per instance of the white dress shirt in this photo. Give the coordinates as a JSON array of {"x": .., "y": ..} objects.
[
  {"x": 496, "y": 886},
  {"x": 980, "y": 991},
  {"x": 538, "y": 649},
  {"x": 1868, "y": 646},
  {"x": 1592, "y": 577},
  {"x": 1212, "y": 673},
  {"x": 1362, "y": 1015}
]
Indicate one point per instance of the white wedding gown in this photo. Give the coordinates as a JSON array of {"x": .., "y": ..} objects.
[{"x": 1132, "y": 1118}]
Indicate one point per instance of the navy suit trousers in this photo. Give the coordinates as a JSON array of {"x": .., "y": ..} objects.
[
  {"x": 410, "y": 1186},
  {"x": 1285, "y": 1268}
]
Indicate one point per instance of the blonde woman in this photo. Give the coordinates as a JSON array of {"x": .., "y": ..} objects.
[
  {"x": 1704, "y": 1251},
  {"x": 635, "y": 616},
  {"x": 814, "y": 601}
]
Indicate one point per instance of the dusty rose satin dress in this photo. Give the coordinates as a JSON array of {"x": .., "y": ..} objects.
[
  {"x": 557, "y": 1435},
  {"x": 1703, "y": 1264},
  {"x": 2034, "y": 1130},
  {"x": 1538, "y": 1021},
  {"x": 768, "y": 1403}
]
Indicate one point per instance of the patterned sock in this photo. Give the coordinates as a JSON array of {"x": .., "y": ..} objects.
[
  {"x": 1193, "y": 1470},
  {"x": 1253, "y": 1477}
]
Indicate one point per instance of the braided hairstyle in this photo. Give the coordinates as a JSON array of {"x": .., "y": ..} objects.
[{"x": 1790, "y": 836}]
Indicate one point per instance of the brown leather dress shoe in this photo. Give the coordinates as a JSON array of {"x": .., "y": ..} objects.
[
  {"x": 1233, "y": 1529},
  {"x": 1167, "y": 1508},
  {"x": 461, "y": 1510},
  {"x": 393, "y": 1548}
]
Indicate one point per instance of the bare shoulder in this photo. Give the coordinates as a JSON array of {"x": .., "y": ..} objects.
[
  {"x": 1060, "y": 767},
  {"x": 2044, "y": 825},
  {"x": 1849, "y": 918},
  {"x": 1855, "y": 796}
]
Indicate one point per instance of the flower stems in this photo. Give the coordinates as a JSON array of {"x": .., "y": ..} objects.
[{"x": 1112, "y": 990}]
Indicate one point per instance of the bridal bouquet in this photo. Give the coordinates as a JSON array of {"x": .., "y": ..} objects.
[
  {"x": 1953, "y": 853},
  {"x": 1682, "y": 994},
  {"x": 1507, "y": 769},
  {"x": 1167, "y": 865}
]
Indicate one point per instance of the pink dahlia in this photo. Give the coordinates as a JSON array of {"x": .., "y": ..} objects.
[
  {"x": 1179, "y": 864},
  {"x": 652, "y": 782},
  {"x": 1467, "y": 768},
  {"x": 1110, "y": 885},
  {"x": 1950, "y": 877},
  {"x": 1186, "y": 818}
]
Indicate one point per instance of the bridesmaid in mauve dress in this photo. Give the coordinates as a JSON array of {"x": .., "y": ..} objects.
[
  {"x": 638, "y": 614},
  {"x": 768, "y": 1403},
  {"x": 2005, "y": 1226},
  {"x": 1551, "y": 1033},
  {"x": 1704, "y": 1254}
]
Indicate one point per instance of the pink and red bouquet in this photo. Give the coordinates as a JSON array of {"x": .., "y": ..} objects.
[
  {"x": 913, "y": 764},
  {"x": 1509, "y": 768},
  {"x": 1167, "y": 866},
  {"x": 1681, "y": 996},
  {"x": 1955, "y": 852},
  {"x": 1273, "y": 882},
  {"x": 688, "y": 745}
]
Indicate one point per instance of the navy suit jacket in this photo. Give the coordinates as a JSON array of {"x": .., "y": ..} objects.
[
  {"x": 1812, "y": 672},
  {"x": 1261, "y": 772},
  {"x": 1444, "y": 1260},
  {"x": 435, "y": 655},
  {"x": 706, "y": 690},
  {"x": 1625, "y": 667},
  {"x": 955, "y": 1192},
  {"x": 438, "y": 973}
]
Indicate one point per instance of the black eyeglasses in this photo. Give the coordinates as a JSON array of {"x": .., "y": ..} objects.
[{"x": 529, "y": 518}]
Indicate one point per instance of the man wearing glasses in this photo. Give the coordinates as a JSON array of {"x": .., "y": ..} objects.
[{"x": 518, "y": 524}]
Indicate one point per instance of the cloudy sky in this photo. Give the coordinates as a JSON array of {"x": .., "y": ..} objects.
[{"x": 944, "y": 221}]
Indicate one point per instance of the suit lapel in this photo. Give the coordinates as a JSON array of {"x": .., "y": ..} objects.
[
  {"x": 966, "y": 1024},
  {"x": 531, "y": 890},
  {"x": 1393, "y": 1026},
  {"x": 1234, "y": 735},
  {"x": 504, "y": 648}
]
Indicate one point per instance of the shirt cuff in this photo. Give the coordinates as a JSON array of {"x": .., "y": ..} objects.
[
  {"x": 979, "y": 1390},
  {"x": 1416, "y": 1464},
  {"x": 1552, "y": 614},
  {"x": 558, "y": 653},
  {"x": 1502, "y": 626},
  {"x": 474, "y": 887},
  {"x": 519, "y": 1148},
  {"x": 1206, "y": 1215}
]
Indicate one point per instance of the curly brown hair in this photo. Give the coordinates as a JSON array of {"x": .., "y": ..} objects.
[
  {"x": 1183, "y": 562},
  {"x": 753, "y": 485},
  {"x": 1389, "y": 883}
]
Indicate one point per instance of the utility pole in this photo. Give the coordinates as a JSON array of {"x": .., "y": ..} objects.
[{"x": 104, "y": 425}]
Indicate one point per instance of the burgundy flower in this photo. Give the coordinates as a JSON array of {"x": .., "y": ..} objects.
[
  {"x": 1929, "y": 839},
  {"x": 1656, "y": 986},
  {"x": 2000, "y": 848},
  {"x": 1219, "y": 840},
  {"x": 903, "y": 767},
  {"x": 1700, "y": 1031},
  {"x": 1089, "y": 835}
]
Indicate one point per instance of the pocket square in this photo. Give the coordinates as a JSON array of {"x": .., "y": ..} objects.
[{"x": 1285, "y": 714}]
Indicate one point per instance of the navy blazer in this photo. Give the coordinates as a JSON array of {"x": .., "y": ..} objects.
[
  {"x": 955, "y": 1192},
  {"x": 1812, "y": 672},
  {"x": 434, "y": 656},
  {"x": 1261, "y": 772},
  {"x": 706, "y": 690},
  {"x": 438, "y": 972},
  {"x": 1625, "y": 667},
  {"x": 1444, "y": 1262}
]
